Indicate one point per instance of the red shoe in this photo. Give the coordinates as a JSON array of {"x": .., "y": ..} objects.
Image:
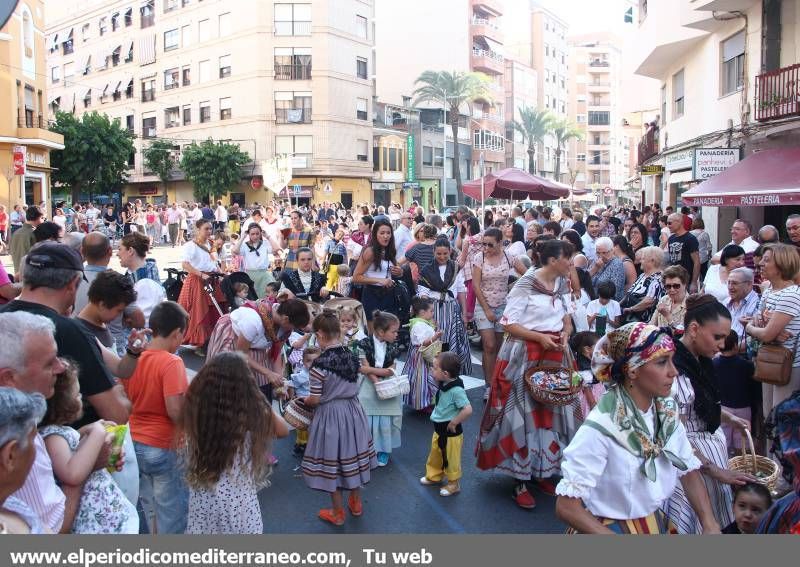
[
  {"x": 546, "y": 487},
  {"x": 523, "y": 498},
  {"x": 332, "y": 516},
  {"x": 354, "y": 504}
]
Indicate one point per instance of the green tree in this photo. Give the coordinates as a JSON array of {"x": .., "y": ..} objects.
[
  {"x": 212, "y": 167},
  {"x": 457, "y": 89},
  {"x": 159, "y": 159},
  {"x": 533, "y": 125},
  {"x": 564, "y": 131},
  {"x": 95, "y": 155}
]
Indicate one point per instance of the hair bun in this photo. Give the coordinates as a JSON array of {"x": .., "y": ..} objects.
[{"x": 698, "y": 300}]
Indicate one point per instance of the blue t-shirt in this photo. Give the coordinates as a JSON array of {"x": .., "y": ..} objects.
[{"x": 450, "y": 403}]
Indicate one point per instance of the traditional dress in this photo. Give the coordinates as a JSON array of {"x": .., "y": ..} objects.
[
  {"x": 423, "y": 385},
  {"x": 194, "y": 299},
  {"x": 623, "y": 462},
  {"x": 297, "y": 239},
  {"x": 256, "y": 260},
  {"x": 385, "y": 416},
  {"x": 520, "y": 436},
  {"x": 340, "y": 453},
  {"x": 699, "y": 401},
  {"x": 443, "y": 284}
]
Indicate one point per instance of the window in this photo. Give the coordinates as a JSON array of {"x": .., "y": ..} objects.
[
  {"x": 581, "y": 119},
  {"x": 170, "y": 5},
  {"x": 148, "y": 15},
  {"x": 488, "y": 140},
  {"x": 733, "y": 64},
  {"x": 67, "y": 45},
  {"x": 224, "y": 66},
  {"x": 664, "y": 104},
  {"x": 86, "y": 32},
  {"x": 203, "y": 30},
  {"x": 132, "y": 157},
  {"x": 361, "y": 108},
  {"x": 129, "y": 123},
  {"x": 128, "y": 17},
  {"x": 69, "y": 74},
  {"x": 115, "y": 55},
  {"x": 205, "y": 112},
  {"x": 172, "y": 39},
  {"x": 102, "y": 25},
  {"x": 361, "y": 27},
  {"x": 187, "y": 114},
  {"x": 171, "y": 79},
  {"x": 292, "y": 19},
  {"x": 186, "y": 36},
  {"x": 596, "y": 139},
  {"x": 677, "y": 94},
  {"x": 546, "y": 50},
  {"x": 361, "y": 67},
  {"x": 55, "y": 75},
  {"x": 205, "y": 71},
  {"x": 225, "y": 108},
  {"x": 114, "y": 21},
  {"x": 293, "y": 107},
  {"x": 117, "y": 94},
  {"x": 427, "y": 155},
  {"x": 129, "y": 55},
  {"x": 298, "y": 146},
  {"x": 292, "y": 63},
  {"x": 129, "y": 90},
  {"x": 438, "y": 157},
  {"x": 186, "y": 76},
  {"x": 225, "y": 24},
  {"x": 172, "y": 117},
  {"x": 581, "y": 157},
  {"x": 148, "y": 90},
  {"x": 149, "y": 127},
  {"x": 87, "y": 99},
  {"x": 599, "y": 118}
]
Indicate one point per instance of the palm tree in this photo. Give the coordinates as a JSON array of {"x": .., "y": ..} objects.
[
  {"x": 534, "y": 125},
  {"x": 564, "y": 131},
  {"x": 457, "y": 89}
]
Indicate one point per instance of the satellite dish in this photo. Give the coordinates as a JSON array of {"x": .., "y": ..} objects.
[{"x": 7, "y": 8}]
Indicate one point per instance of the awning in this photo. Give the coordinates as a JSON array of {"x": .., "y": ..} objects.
[
  {"x": 762, "y": 179},
  {"x": 85, "y": 93},
  {"x": 86, "y": 62},
  {"x": 119, "y": 86},
  {"x": 54, "y": 43},
  {"x": 69, "y": 35},
  {"x": 105, "y": 90},
  {"x": 53, "y": 98},
  {"x": 147, "y": 50}
]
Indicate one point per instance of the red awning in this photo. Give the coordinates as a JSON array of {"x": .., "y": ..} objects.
[
  {"x": 762, "y": 179},
  {"x": 512, "y": 183}
]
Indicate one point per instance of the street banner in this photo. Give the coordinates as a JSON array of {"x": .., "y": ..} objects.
[
  {"x": 277, "y": 172},
  {"x": 412, "y": 159},
  {"x": 20, "y": 155}
]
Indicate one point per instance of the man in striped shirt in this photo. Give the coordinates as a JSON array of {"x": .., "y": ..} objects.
[{"x": 743, "y": 301}]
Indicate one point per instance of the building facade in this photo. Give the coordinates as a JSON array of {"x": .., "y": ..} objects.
[
  {"x": 722, "y": 87},
  {"x": 522, "y": 87},
  {"x": 25, "y": 141},
  {"x": 277, "y": 78}
]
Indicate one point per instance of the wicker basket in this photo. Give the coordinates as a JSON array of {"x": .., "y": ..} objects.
[
  {"x": 756, "y": 465},
  {"x": 298, "y": 415},
  {"x": 551, "y": 397},
  {"x": 392, "y": 387}
]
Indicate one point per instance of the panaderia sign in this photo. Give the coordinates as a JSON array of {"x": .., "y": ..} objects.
[{"x": 709, "y": 162}]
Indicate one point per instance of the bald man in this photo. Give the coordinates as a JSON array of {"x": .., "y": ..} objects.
[
  {"x": 768, "y": 234},
  {"x": 96, "y": 251}
]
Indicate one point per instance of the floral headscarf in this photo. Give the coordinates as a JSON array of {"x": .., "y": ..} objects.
[{"x": 629, "y": 347}]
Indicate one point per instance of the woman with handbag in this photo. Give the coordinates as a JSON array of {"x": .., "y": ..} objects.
[
  {"x": 611, "y": 484},
  {"x": 520, "y": 436},
  {"x": 641, "y": 299},
  {"x": 778, "y": 325},
  {"x": 706, "y": 326}
]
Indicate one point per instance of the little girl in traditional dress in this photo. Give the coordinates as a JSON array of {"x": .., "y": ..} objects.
[
  {"x": 339, "y": 454},
  {"x": 228, "y": 427},
  {"x": 421, "y": 354},
  {"x": 582, "y": 345},
  {"x": 103, "y": 508},
  {"x": 351, "y": 333},
  {"x": 377, "y": 355}
]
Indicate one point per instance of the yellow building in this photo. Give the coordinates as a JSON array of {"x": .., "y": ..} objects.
[{"x": 23, "y": 113}]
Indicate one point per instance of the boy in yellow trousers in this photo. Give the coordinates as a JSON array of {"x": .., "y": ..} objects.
[{"x": 451, "y": 408}]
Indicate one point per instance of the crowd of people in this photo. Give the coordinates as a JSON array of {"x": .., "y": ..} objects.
[{"x": 316, "y": 309}]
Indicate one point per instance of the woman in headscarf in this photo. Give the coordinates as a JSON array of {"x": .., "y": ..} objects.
[
  {"x": 518, "y": 435},
  {"x": 632, "y": 450},
  {"x": 706, "y": 325}
]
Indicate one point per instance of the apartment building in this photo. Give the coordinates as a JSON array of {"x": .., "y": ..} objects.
[
  {"x": 522, "y": 87},
  {"x": 25, "y": 141},
  {"x": 601, "y": 158},
  {"x": 458, "y": 35},
  {"x": 275, "y": 77},
  {"x": 721, "y": 88}
]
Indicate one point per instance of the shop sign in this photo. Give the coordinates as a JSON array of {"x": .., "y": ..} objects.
[
  {"x": 36, "y": 158},
  {"x": 411, "y": 175},
  {"x": 257, "y": 182},
  {"x": 328, "y": 190},
  {"x": 608, "y": 192},
  {"x": 382, "y": 186},
  {"x": 708, "y": 162},
  {"x": 652, "y": 169},
  {"x": 19, "y": 160},
  {"x": 148, "y": 191},
  {"x": 683, "y": 159}
]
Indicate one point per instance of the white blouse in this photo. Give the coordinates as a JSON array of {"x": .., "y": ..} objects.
[
  {"x": 608, "y": 479},
  {"x": 253, "y": 261},
  {"x": 458, "y": 285},
  {"x": 247, "y": 323},
  {"x": 713, "y": 285},
  {"x": 380, "y": 352},
  {"x": 421, "y": 332},
  {"x": 198, "y": 258},
  {"x": 536, "y": 312}
]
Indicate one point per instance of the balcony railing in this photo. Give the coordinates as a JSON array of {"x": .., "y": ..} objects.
[
  {"x": 292, "y": 72},
  {"x": 648, "y": 145},
  {"x": 293, "y": 116},
  {"x": 778, "y": 93},
  {"x": 29, "y": 120},
  {"x": 599, "y": 63},
  {"x": 489, "y": 54},
  {"x": 148, "y": 95}
]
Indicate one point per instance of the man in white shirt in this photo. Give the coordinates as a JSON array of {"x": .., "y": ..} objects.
[
  {"x": 220, "y": 216},
  {"x": 402, "y": 234},
  {"x": 742, "y": 301},
  {"x": 173, "y": 222},
  {"x": 589, "y": 238},
  {"x": 91, "y": 216},
  {"x": 740, "y": 234}
]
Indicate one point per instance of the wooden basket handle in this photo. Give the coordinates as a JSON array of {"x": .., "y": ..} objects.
[{"x": 752, "y": 448}]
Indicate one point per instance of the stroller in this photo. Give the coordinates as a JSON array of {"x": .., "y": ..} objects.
[
  {"x": 174, "y": 283},
  {"x": 230, "y": 294}
]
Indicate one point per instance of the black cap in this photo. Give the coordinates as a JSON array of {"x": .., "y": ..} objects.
[{"x": 54, "y": 255}]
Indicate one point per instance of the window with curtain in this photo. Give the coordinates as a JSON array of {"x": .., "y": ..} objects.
[
  {"x": 677, "y": 94},
  {"x": 733, "y": 55}
]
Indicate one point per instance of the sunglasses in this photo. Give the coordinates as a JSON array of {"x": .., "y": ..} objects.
[
  {"x": 672, "y": 286},
  {"x": 487, "y": 244}
]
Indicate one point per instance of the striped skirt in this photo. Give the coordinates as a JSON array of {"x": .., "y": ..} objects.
[
  {"x": 655, "y": 523},
  {"x": 423, "y": 386},
  {"x": 223, "y": 339},
  {"x": 714, "y": 448},
  {"x": 447, "y": 315}
]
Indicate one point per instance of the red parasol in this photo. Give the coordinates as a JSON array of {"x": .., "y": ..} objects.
[{"x": 513, "y": 183}]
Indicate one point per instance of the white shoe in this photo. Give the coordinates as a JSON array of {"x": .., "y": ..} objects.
[
  {"x": 450, "y": 489},
  {"x": 428, "y": 482}
]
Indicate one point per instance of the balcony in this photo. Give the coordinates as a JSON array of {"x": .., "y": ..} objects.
[
  {"x": 599, "y": 63},
  {"x": 778, "y": 93},
  {"x": 493, "y": 6},
  {"x": 35, "y": 127},
  {"x": 598, "y": 87},
  {"x": 648, "y": 145},
  {"x": 292, "y": 116},
  {"x": 488, "y": 117},
  {"x": 486, "y": 28},
  {"x": 487, "y": 61},
  {"x": 292, "y": 72}
]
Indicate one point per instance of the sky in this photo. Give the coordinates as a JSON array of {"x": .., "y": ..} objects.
[{"x": 586, "y": 16}]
